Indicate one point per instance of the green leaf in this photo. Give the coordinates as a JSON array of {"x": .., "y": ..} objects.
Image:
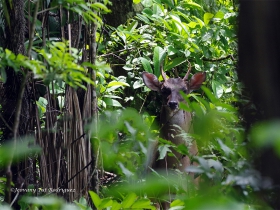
[
  {"x": 219, "y": 15},
  {"x": 225, "y": 148},
  {"x": 209, "y": 94},
  {"x": 106, "y": 202},
  {"x": 138, "y": 84},
  {"x": 128, "y": 67},
  {"x": 169, "y": 3},
  {"x": 136, "y": 1},
  {"x": 117, "y": 83},
  {"x": 143, "y": 18},
  {"x": 217, "y": 88},
  {"x": 163, "y": 150},
  {"x": 142, "y": 203},
  {"x": 23, "y": 147},
  {"x": 159, "y": 55},
  {"x": 112, "y": 102},
  {"x": 201, "y": 23},
  {"x": 132, "y": 26},
  {"x": 207, "y": 17},
  {"x": 216, "y": 164},
  {"x": 148, "y": 12},
  {"x": 146, "y": 65},
  {"x": 177, "y": 202},
  {"x": 185, "y": 107},
  {"x": 147, "y": 3},
  {"x": 175, "y": 62},
  {"x": 192, "y": 4},
  {"x": 129, "y": 200},
  {"x": 50, "y": 201},
  {"x": 116, "y": 205},
  {"x": 95, "y": 198}
]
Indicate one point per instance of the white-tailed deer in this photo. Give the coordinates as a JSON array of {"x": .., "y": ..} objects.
[{"x": 171, "y": 115}]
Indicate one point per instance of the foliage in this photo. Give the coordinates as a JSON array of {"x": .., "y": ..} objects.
[
  {"x": 167, "y": 34},
  {"x": 178, "y": 32},
  {"x": 130, "y": 201},
  {"x": 61, "y": 65}
]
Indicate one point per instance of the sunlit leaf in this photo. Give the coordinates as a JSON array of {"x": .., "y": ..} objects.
[
  {"x": 147, "y": 3},
  {"x": 142, "y": 203},
  {"x": 112, "y": 102},
  {"x": 217, "y": 88},
  {"x": 146, "y": 65},
  {"x": 117, "y": 83},
  {"x": 95, "y": 198},
  {"x": 163, "y": 149},
  {"x": 175, "y": 62},
  {"x": 159, "y": 55},
  {"x": 207, "y": 17},
  {"x": 127, "y": 173}
]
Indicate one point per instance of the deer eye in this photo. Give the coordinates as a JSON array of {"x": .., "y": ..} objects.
[
  {"x": 165, "y": 91},
  {"x": 185, "y": 90}
]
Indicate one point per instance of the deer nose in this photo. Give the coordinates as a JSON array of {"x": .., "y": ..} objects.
[{"x": 173, "y": 104}]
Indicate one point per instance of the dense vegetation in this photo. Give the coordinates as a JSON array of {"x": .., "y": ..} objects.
[{"x": 98, "y": 67}]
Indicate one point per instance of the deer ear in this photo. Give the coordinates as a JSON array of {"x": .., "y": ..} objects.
[
  {"x": 197, "y": 80},
  {"x": 151, "y": 81}
]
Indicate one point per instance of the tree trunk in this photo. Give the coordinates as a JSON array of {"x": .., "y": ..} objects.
[
  {"x": 15, "y": 37},
  {"x": 259, "y": 68}
]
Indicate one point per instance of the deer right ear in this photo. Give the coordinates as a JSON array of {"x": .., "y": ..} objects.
[{"x": 151, "y": 81}]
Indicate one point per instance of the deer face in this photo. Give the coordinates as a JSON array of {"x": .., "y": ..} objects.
[{"x": 170, "y": 88}]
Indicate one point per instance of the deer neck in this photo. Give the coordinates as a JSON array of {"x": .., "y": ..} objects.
[{"x": 177, "y": 117}]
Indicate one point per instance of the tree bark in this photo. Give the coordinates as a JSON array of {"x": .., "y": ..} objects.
[
  {"x": 259, "y": 69},
  {"x": 15, "y": 37}
]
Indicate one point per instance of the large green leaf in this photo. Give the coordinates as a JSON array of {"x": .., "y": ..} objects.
[
  {"x": 117, "y": 83},
  {"x": 217, "y": 88},
  {"x": 159, "y": 55},
  {"x": 95, "y": 198},
  {"x": 207, "y": 17},
  {"x": 146, "y": 65},
  {"x": 175, "y": 62},
  {"x": 129, "y": 200}
]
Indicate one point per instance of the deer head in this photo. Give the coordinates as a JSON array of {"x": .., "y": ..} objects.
[{"x": 170, "y": 88}]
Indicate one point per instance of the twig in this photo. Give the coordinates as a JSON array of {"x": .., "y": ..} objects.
[
  {"x": 143, "y": 103},
  {"x": 113, "y": 53},
  {"x": 219, "y": 59},
  {"x": 48, "y": 9},
  {"x": 6, "y": 124}
]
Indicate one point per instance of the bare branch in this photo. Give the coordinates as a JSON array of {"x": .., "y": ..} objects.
[
  {"x": 163, "y": 73},
  {"x": 6, "y": 124},
  {"x": 219, "y": 59},
  {"x": 188, "y": 73}
]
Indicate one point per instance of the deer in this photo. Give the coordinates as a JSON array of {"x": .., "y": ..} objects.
[{"x": 172, "y": 117}]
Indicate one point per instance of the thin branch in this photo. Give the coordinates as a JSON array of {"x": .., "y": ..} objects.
[
  {"x": 33, "y": 29},
  {"x": 6, "y": 124},
  {"x": 45, "y": 10},
  {"x": 113, "y": 53},
  {"x": 188, "y": 72},
  {"x": 143, "y": 103},
  {"x": 219, "y": 59}
]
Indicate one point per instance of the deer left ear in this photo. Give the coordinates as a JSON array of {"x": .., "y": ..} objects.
[
  {"x": 151, "y": 81},
  {"x": 197, "y": 80}
]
